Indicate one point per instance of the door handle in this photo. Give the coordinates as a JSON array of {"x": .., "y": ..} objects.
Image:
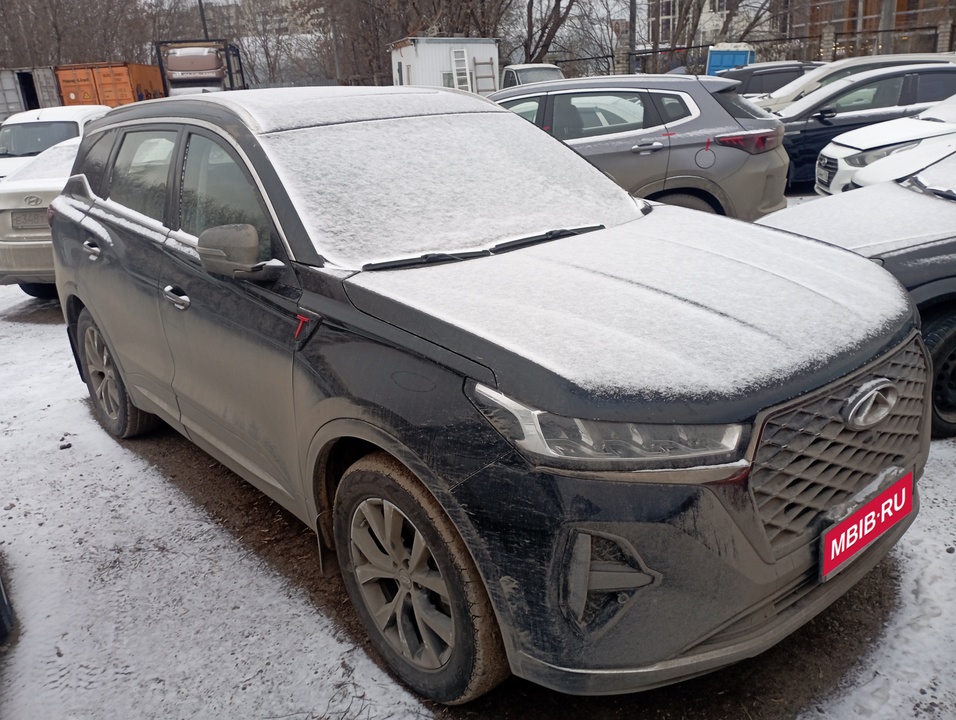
[
  {"x": 91, "y": 249},
  {"x": 645, "y": 148},
  {"x": 177, "y": 298}
]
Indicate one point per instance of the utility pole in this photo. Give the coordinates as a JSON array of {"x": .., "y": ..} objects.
[
  {"x": 202, "y": 17},
  {"x": 632, "y": 37}
]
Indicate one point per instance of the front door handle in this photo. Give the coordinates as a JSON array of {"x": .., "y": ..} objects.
[
  {"x": 91, "y": 249},
  {"x": 176, "y": 296},
  {"x": 646, "y": 148}
]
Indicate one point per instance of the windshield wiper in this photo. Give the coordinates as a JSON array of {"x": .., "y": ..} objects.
[
  {"x": 432, "y": 258},
  {"x": 939, "y": 192},
  {"x": 508, "y": 245}
]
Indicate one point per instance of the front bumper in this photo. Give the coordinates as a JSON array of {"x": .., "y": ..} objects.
[{"x": 613, "y": 583}]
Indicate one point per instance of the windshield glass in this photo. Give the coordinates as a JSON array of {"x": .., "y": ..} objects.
[
  {"x": 380, "y": 190},
  {"x": 820, "y": 95},
  {"x": 23, "y": 139},
  {"x": 57, "y": 162},
  {"x": 539, "y": 74}
]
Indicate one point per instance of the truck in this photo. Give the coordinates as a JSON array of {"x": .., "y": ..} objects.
[
  {"x": 27, "y": 89},
  {"x": 108, "y": 83},
  {"x": 195, "y": 66}
]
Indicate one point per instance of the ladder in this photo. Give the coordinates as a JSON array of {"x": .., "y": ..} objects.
[
  {"x": 459, "y": 66},
  {"x": 485, "y": 79}
]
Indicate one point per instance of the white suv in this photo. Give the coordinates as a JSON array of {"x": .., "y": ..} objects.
[{"x": 27, "y": 134}]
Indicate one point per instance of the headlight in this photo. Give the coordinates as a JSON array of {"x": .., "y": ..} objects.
[
  {"x": 571, "y": 442},
  {"x": 870, "y": 156}
]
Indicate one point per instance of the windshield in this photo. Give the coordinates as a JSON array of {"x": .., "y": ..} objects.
[
  {"x": 807, "y": 81},
  {"x": 24, "y": 139},
  {"x": 539, "y": 74},
  {"x": 940, "y": 177},
  {"x": 57, "y": 162},
  {"x": 818, "y": 96},
  {"x": 373, "y": 191}
]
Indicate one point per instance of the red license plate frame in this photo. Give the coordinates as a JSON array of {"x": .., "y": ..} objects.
[{"x": 843, "y": 541}]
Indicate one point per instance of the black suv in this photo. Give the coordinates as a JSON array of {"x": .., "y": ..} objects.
[
  {"x": 765, "y": 77},
  {"x": 558, "y": 431}
]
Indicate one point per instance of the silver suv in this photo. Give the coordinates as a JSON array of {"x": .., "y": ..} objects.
[{"x": 684, "y": 140}]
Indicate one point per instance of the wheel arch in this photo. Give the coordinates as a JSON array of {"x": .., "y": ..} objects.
[{"x": 698, "y": 187}]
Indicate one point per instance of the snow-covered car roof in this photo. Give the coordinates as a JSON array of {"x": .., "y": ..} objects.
[{"x": 77, "y": 113}]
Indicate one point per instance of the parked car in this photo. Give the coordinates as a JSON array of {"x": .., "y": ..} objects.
[
  {"x": 901, "y": 165},
  {"x": 527, "y": 73},
  {"x": 29, "y": 133},
  {"x": 535, "y": 424},
  {"x": 910, "y": 229},
  {"x": 831, "y": 72},
  {"x": 839, "y": 161},
  {"x": 681, "y": 139},
  {"x": 762, "y": 78},
  {"x": 854, "y": 102},
  {"x": 26, "y": 255}
]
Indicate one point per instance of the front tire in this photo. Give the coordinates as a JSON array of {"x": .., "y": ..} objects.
[
  {"x": 414, "y": 585},
  {"x": 940, "y": 338},
  {"x": 113, "y": 406},
  {"x": 687, "y": 200}
]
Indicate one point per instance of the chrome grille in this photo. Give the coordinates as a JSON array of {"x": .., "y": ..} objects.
[
  {"x": 826, "y": 169},
  {"x": 807, "y": 460}
]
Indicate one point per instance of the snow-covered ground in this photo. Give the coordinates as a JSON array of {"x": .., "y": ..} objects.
[{"x": 133, "y": 603}]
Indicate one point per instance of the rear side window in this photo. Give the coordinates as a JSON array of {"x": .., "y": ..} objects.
[
  {"x": 739, "y": 107},
  {"x": 141, "y": 171},
  {"x": 765, "y": 82},
  {"x": 672, "y": 107},
  {"x": 935, "y": 86},
  {"x": 97, "y": 159}
]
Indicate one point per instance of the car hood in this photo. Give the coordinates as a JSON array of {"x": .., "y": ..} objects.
[
  {"x": 872, "y": 221},
  {"x": 679, "y": 316},
  {"x": 893, "y": 132}
]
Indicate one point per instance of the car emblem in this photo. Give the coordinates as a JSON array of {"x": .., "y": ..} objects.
[
  {"x": 32, "y": 200},
  {"x": 870, "y": 405},
  {"x": 821, "y": 161}
]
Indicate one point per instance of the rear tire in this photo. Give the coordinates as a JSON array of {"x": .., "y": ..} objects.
[
  {"x": 688, "y": 201},
  {"x": 940, "y": 338},
  {"x": 44, "y": 291},
  {"x": 414, "y": 585},
  {"x": 113, "y": 406}
]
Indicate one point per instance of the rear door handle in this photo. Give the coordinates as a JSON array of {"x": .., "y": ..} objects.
[
  {"x": 176, "y": 297},
  {"x": 645, "y": 148},
  {"x": 91, "y": 249}
]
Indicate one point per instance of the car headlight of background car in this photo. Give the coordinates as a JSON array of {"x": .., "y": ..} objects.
[
  {"x": 558, "y": 441},
  {"x": 870, "y": 156}
]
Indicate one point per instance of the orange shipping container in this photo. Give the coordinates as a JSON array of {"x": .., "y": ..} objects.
[{"x": 110, "y": 84}]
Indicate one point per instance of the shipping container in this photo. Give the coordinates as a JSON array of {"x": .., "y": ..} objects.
[
  {"x": 27, "y": 89},
  {"x": 110, "y": 84}
]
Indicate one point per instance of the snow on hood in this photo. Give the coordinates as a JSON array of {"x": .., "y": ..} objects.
[
  {"x": 677, "y": 306},
  {"x": 12, "y": 164},
  {"x": 871, "y": 221},
  {"x": 893, "y": 132}
]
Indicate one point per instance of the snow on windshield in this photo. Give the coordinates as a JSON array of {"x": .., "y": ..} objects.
[
  {"x": 385, "y": 189},
  {"x": 940, "y": 176}
]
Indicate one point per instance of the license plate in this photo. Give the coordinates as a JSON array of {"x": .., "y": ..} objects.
[
  {"x": 823, "y": 177},
  {"x": 849, "y": 537},
  {"x": 28, "y": 219}
]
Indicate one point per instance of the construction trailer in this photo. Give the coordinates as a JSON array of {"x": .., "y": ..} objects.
[
  {"x": 469, "y": 64},
  {"x": 196, "y": 66}
]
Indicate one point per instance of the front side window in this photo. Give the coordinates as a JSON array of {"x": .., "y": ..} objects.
[
  {"x": 877, "y": 94},
  {"x": 603, "y": 113},
  {"x": 217, "y": 191},
  {"x": 141, "y": 171},
  {"x": 525, "y": 107}
]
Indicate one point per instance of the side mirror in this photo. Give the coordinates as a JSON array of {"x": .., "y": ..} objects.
[{"x": 233, "y": 251}]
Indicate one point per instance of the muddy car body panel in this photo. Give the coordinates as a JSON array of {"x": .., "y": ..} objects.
[{"x": 612, "y": 416}]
